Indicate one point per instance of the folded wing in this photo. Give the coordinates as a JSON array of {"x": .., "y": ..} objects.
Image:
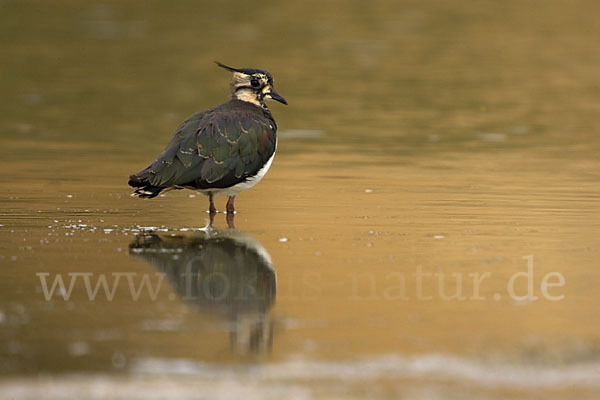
[{"x": 217, "y": 148}]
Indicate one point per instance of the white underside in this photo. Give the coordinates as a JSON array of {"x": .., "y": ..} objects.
[{"x": 240, "y": 187}]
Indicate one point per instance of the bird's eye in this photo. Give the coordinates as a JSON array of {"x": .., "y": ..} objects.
[{"x": 254, "y": 83}]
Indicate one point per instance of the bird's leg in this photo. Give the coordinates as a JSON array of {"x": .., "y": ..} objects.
[
  {"x": 211, "y": 208},
  {"x": 229, "y": 217},
  {"x": 230, "y": 207}
]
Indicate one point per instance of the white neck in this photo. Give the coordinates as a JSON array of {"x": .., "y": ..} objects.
[{"x": 248, "y": 96}]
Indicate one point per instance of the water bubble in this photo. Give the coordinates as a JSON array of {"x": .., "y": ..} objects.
[
  {"x": 492, "y": 137},
  {"x": 118, "y": 360},
  {"x": 79, "y": 349}
]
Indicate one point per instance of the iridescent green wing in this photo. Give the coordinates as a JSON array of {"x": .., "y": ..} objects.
[
  {"x": 227, "y": 148},
  {"x": 214, "y": 149},
  {"x": 167, "y": 167}
]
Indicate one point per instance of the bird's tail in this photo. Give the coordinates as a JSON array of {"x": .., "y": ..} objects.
[{"x": 143, "y": 188}]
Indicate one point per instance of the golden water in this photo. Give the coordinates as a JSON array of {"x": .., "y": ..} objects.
[{"x": 430, "y": 152}]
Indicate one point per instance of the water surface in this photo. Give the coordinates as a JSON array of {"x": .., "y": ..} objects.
[{"x": 430, "y": 152}]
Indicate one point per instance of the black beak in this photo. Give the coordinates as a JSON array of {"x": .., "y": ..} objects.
[{"x": 276, "y": 96}]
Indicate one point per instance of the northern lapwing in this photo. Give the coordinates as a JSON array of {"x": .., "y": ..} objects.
[{"x": 223, "y": 150}]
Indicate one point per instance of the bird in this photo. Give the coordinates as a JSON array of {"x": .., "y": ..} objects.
[{"x": 220, "y": 151}]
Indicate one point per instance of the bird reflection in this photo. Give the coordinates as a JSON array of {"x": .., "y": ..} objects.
[{"x": 223, "y": 272}]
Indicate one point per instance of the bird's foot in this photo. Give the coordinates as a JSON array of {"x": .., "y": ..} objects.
[
  {"x": 211, "y": 204},
  {"x": 211, "y": 217},
  {"x": 229, "y": 218},
  {"x": 230, "y": 207}
]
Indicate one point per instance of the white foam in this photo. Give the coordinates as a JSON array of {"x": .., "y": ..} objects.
[
  {"x": 301, "y": 378},
  {"x": 433, "y": 366}
]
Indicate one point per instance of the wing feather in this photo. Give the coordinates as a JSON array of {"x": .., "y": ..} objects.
[{"x": 214, "y": 149}]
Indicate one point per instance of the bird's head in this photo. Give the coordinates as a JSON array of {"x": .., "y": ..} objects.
[{"x": 252, "y": 85}]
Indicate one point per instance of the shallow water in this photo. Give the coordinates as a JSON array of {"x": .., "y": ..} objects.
[{"x": 429, "y": 228}]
